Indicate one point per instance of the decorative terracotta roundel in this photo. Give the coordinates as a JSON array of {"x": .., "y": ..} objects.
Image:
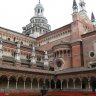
[
  {"x": 92, "y": 54},
  {"x": 59, "y": 63}
]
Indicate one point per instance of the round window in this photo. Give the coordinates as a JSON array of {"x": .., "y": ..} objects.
[
  {"x": 92, "y": 54},
  {"x": 59, "y": 64}
]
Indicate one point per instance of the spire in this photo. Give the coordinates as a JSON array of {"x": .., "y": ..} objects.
[
  {"x": 92, "y": 17},
  {"x": 75, "y": 7},
  {"x": 82, "y": 5},
  {"x": 93, "y": 20},
  {"x": 74, "y": 3}
]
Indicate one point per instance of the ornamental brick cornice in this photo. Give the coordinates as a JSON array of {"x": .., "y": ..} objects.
[
  {"x": 5, "y": 30},
  {"x": 56, "y": 31},
  {"x": 27, "y": 70},
  {"x": 88, "y": 34},
  {"x": 62, "y": 44}
]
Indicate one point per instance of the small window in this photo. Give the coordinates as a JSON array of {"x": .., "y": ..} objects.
[
  {"x": 38, "y": 10},
  {"x": 93, "y": 65},
  {"x": 13, "y": 53},
  {"x": 92, "y": 54},
  {"x": 8, "y": 39},
  {"x": 69, "y": 52},
  {"x": 28, "y": 56},
  {"x": 30, "y": 45},
  {"x": 38, "y": 59},
  {"x": 14, "y": 38},
  {"x": 21, "y": 42},
  {"x": 64, "y": 51}
]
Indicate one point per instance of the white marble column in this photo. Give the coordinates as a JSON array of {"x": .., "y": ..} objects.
[
  {"x": 49, "y": 84},
  {"x": 74, "y": 84},
  {"x": 55, "y": 84},
  {"x": 61, "y": 84},
  {"x": 67, "y": 83},
  {"x": 24, "y": 84},
  {"x": 89, "y": 86},
  {"x": 8, "y": 84},
  {"x": 38, "y": 84},
  {"x": 16, "y": 84},
  {"x": 31, "y": 84},
  {"x": 1, "y": 51},
  {"x": 81, "y": 83}
]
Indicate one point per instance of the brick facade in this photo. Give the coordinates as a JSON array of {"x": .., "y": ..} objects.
[{"x": 64, "y": 58}]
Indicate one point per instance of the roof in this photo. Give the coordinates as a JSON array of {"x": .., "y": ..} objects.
[
  {"x": 16, "y": 32},
  {"x": 88, "y": 34},
  {"x": 55, "y": 31}
]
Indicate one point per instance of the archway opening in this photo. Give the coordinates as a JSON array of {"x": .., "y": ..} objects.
[
  {"x": 93, "y": 83},
  {"x": 47, "y": 83},
  {"x": 52, "y": 84},
  {"x": 41, "y": 83},
  {"x": 35, "y": 83},
  {"x": 64, "y": 84},
  {"x": 3, "y": 81},
  {"x": 28, "y": 83},
  {"x": 58, "y": 84},
  {"x": 70, "y": 83},
  {"x": 20, "y": 83},
  {"x": 77, "y": 83},
  {"x": 84, "y": 83},
  {"x": 12, "y": 84}
]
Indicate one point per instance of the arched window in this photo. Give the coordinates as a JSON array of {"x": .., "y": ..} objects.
[
  {"x": 14, "y": 38},
  {"x": 64, "y": 51},
  {"x": 38, "y": 10},
  {"x": 8, "y": 39},
  {"x": 68, "y": 52}
]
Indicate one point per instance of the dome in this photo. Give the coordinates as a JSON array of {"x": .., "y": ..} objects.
[{"x": 40, "y": 6}]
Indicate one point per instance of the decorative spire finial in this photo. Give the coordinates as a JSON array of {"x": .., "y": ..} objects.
[
  {"x": 39, "y": 1},
  {"x": 82, "y": 5},
  {"x": 75, "y": 7},
  {"x": 92, "y": 17}
]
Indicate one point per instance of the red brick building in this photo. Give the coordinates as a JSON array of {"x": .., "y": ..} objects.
[{"x": 64, "y": 58}]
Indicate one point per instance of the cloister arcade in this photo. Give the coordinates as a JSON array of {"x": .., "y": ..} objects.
[{"x": 37, "y": 83}]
